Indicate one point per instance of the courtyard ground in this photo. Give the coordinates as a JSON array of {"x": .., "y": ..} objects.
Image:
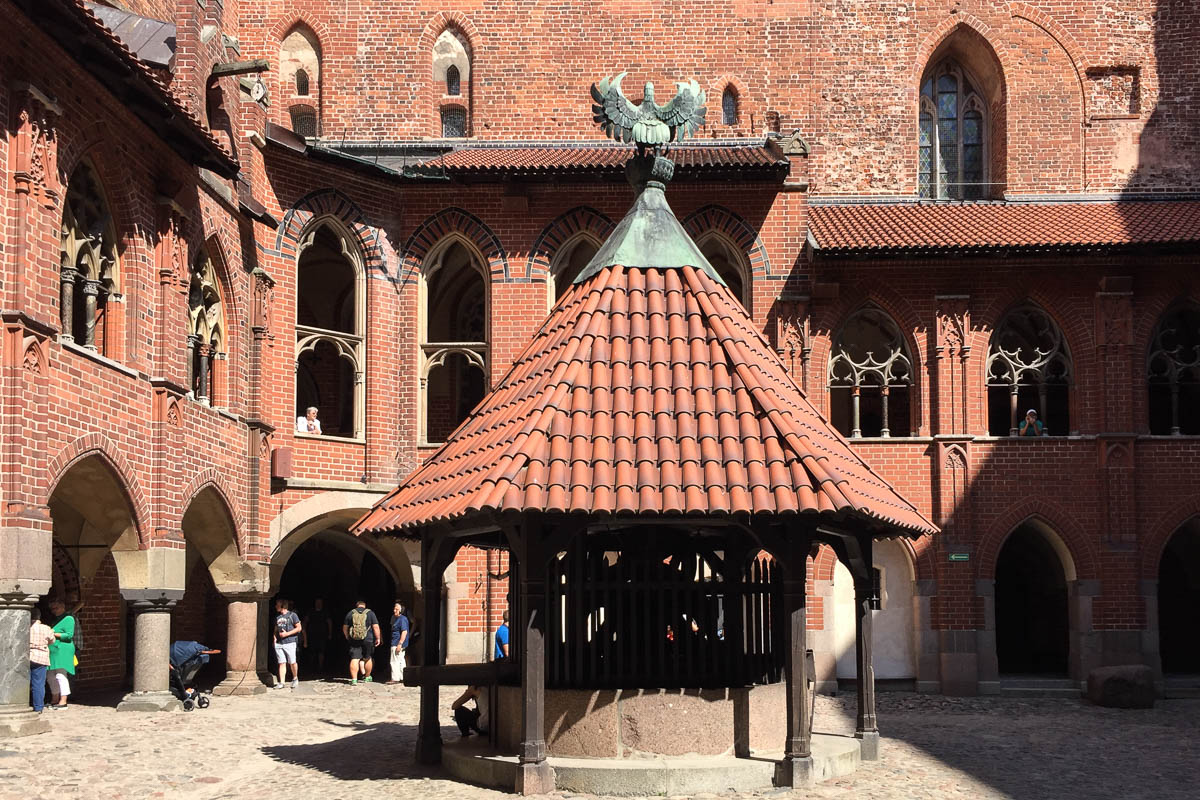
[{"x": 331, "y": 740}]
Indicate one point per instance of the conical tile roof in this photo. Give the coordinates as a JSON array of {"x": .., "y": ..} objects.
[{"x": 648, "y": 391}]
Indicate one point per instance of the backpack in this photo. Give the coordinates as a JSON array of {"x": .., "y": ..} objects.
[{"x": 358, "y": 624}]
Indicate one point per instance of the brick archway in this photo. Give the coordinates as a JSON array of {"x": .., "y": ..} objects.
[
  {"x": 717, "y": 218},
  {"x": 562, "y": 229},
  {"x": 444, "y": 223},
  {"x": 331, "y": 203},
  {"x": 99, "y": 445},
  {"x": 211, "y": 478},
  {"x": 1073, "y": 537}
]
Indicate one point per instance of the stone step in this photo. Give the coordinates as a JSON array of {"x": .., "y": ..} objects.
[{"x": 1039, "y": 687}]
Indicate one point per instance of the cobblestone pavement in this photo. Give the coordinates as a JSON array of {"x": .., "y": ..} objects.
[{"x": 330, "y": 740}]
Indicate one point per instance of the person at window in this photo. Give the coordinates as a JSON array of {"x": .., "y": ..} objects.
[
  {"x": 309, "y": 423},
  {"x": 1031, "y": 425}
]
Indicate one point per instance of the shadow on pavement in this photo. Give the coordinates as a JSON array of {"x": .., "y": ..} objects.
[{"x": 356, "y": 755}]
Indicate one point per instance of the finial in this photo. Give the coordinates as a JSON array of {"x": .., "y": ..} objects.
[{"x": 648, "y": 125}]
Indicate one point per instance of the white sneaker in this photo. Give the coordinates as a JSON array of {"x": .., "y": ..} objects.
[
  {"x": 277, "y": 685},
  {"x": 295, "y": 683}
]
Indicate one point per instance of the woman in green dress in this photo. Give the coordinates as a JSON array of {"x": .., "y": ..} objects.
[{"x": 62, "y": 655}]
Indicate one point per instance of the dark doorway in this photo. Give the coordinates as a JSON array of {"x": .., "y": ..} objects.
[
  {"x": 1178, "y": 586},
  {"x": 1032, "y": 627},
  {"x": 334, "y": 566}
]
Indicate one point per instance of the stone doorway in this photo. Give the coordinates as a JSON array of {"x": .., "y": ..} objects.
[
  {"x": 1032, "y": 605},
  {"x": 1178, "y": 587}
]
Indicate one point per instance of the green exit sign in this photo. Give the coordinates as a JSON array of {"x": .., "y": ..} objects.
[{"x": 960, "y": 556}]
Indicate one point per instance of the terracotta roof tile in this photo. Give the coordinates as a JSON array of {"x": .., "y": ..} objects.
[
  {"x": 901, "y": 228},
  {"x": 646, "y": 391},
  {"x": 602, "y": 157}
]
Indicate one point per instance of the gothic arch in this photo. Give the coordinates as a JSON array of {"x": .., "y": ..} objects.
[
  {"x": 331, "y": 203},
  {"x": 1062, "y": 37},
  {"x": 736, "y": 229},
  {"x": 440, "y": 23},
  {"x": 1045, "y": 514},
  {"x": 212, "y": 478},
  {"x": 447, "y": 222},
  {"x": 97, "y": 444},
  {"x": 1157, "y": 537},
  {"x": 581, "y": 219},
  {"x": 947, "y": 28},
  {"x": 293, "y": 17}
]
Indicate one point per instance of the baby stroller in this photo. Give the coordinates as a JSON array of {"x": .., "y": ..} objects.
[{"x": 186, "y": 660}]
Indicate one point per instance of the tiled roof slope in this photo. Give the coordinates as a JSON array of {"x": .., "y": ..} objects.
[
  {"x": 900, "y": 228},
  {"x": 646, "y": 392},
  {"x": 600, "y": 156}
]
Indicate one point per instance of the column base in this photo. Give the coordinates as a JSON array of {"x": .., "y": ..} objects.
[
  {"x": 149, "y": 701},
  {"x": 16, "y": 721},
  {"x": 794, "y": 772},
  {"x": 534, "y": 778},
  {"x": 868, "y": 743},
  {"x": 240, "y": 683},
  {"x": 429, "y": 748}
]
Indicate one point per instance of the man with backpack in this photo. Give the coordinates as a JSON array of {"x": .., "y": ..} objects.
[{"x": 361, "y": 629}]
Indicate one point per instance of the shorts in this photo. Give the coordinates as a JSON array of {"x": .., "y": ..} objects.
[
  {"x": 364, "y": 650},
  {"x": 285, "y": 653}
]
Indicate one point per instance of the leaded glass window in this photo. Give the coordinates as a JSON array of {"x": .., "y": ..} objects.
[
  {"x": 453, "y": 81},
  {"x": 454, "y": 122},
  {"x": 1028, "y": 368},
  {"x": 304, "y": 121},
  {"x": 870, "y": 377},
  {"x": 1173, "y": 373},
  {"x": 729, "y": 106},
  {"x": 951, "y": 136}
]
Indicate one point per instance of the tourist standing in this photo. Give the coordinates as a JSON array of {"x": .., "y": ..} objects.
[
  {"x": 40, "y": 638},
  {"x": 361, "y": 629},
  {"x": 287, "y": 634},
  {"x": 400, "y": 630},
  {"x": 318, "y": 630},
  {"x": 62, "y": 655},
  {"x": 501, "y": 650}
]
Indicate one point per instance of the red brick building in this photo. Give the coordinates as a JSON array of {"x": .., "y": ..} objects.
[{"x": 942, "y": 214}]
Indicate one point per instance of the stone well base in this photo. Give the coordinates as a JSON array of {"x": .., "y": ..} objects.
[
  {"x": 471, "y": 761},
  {"x": 636, "y": 723}
]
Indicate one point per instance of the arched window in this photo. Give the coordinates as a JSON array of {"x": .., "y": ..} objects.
[
  {"x": 304, "y": 121},
  {"x": 330, "y": 311},
  {"x": 1028, "y": 367},
  {"x": 729, "y": 263},
  {"x": 300, "y": 57},
  {"x": 1173, "y": 372},
  {"x": 88, "y": 259},
  {"x": 569, "y": 261},
  {"x": 952, "y": 135},
  {"x": 452, "y": 74},
  {"x": 454, "y": 341},
  {"x": 870, "y": 377},
  {"x": 206, "y": 329},
  {"x": 729, "y": 106}
]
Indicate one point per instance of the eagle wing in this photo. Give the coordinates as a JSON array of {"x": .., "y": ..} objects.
[
  {"x": 685, "y": 113},
  {"x": 613, "y": 111}
]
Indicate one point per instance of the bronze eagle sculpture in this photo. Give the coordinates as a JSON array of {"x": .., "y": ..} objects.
[{"x": 648, "y": 125}]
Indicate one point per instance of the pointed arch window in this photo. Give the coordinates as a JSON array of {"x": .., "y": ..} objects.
[
  {"x": 952, "y": 132},
  {"x": 453, "y": 81},
  {"x": 304, "y": 121},
  {"x": 870, "y": 377},
  {"x": 452, "y": 65},
  {"x": 330, "y": 314},
  {"x": 454, "y": 338},
  {"x": 88, "y": 263},
  {"x": 729, "y": 106},
  {"x": 301, "y": 83},
  {"x": 569, "y": 261},
  {"x": 1173, "y": 373},
  {"x": 206, "y": 329},
  {"x": 729, "y": 262},
  {"x": 1028, "y": 367}
]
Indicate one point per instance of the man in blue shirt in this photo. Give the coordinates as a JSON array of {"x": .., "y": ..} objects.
[
  {"x": 502, "y": 639},
  {"x": 400, "y": 636}
]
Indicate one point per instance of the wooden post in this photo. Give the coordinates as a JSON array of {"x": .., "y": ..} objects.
[
  {"x": 429, "y": 731},
  {"x": 866, "y": 728},
  {"x": 534, "y": 775},
  {"x": 796, "y": 767}
]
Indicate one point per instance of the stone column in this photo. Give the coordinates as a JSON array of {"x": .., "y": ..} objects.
[
  {"x": 241, "y": 647},
  {"x": 91, "y": 290},
  {"x": 16, "y": 717},
  {"x": 151, "y": 650},
  {"x": 67, "y": 280}
]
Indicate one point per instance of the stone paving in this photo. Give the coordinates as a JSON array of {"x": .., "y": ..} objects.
[{"x": 330, "y": 740}]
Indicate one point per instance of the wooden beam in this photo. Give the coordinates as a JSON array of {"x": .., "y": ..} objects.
[
  {"x": 534, "y": 775},
  {"x": 486, "y": 674},
  {"x": 797, "y": 765}
]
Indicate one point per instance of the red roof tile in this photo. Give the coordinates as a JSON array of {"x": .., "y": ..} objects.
[
  {"x": 647, "y": 391},
  {"x": 869, "y": 227},
  {"x": 600, "y": 156}
]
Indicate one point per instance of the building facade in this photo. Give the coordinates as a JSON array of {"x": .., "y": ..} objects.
[{"x": 941, "y": 214}]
